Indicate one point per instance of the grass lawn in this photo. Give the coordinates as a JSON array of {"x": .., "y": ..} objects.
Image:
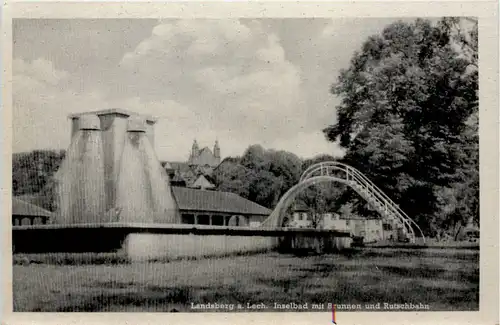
[{"x": 445, "y": 279}]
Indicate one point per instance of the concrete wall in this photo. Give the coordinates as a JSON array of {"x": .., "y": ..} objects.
[
  {"x": 150, "y": 132},
  {"x": 109, "y": 152},
  {"x": 255, "y": 221},
  {"x": 147, "y": 247},
  {"x": 116, "y": 140},
  {"x": 143, "y": 247},
  {"x": 318, "y": 244}
]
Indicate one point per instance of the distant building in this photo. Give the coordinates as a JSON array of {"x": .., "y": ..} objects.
[
  {"x": 197, "y": 171},
  {"x": 470, "y": 232},
  {"x": 371, "y": 229},
  {"x": 204, "y": 157},
  {"x": 24, "y": 213},
  {"x": 197, "y": 197}
]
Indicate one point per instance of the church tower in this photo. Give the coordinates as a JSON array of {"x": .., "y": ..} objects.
[
  {"x": 195, "y": 150},
  {"x": 217, "y": 151}
]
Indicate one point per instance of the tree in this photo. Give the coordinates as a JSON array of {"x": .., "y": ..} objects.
[
  {"x": 405, "y": 102},
  {"x": 260, "y": 175},
  {"x": 460, "y": 201},
  {"x": 256, "y": 158},
  {"x": 319, "y": 158},
  {"x": 314, "y": 199},
  {"x": 320, "y": 199},
  {"x": 233, "y": 177},
  {"x": 31, "y": 171},
  {"x": 287, "y": 168}
]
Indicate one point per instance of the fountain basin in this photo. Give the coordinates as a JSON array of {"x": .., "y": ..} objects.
[{"x": 143, "y": 242}]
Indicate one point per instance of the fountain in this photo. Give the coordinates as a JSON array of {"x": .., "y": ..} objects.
[
  {"x": 80, "y": 179},
  {"x": 143, "y": 190},
  {"x": 111, "y": 166},
  {"x": 114, "y": 195}
]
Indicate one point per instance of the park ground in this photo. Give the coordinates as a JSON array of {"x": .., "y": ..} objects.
[{"x": 444, "y": 278}]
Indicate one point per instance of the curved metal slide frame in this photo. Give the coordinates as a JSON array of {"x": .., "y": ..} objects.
[{"x": 332, "y": 171}]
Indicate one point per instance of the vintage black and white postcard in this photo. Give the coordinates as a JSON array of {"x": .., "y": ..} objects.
[{"x": 245, "y": 162}]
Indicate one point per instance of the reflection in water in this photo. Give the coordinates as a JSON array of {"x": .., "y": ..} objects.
[
  {"x": 80, "y": 181},
  {"x": 144, "y": 194}
]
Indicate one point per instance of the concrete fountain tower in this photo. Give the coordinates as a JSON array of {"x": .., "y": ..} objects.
[
  {"x": 113, "y": 126},
  {"x": 121, "y": 152}
]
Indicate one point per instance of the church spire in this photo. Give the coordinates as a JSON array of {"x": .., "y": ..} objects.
[
  {"x": 217, "y": 150},
  {"x": 195, "y": 149}
]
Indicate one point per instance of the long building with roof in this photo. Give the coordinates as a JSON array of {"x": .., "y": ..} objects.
[
  {"x": 24, "y": 213},
  {"x": 197, "y": 206},
  {"x": 216, "y": 208}
]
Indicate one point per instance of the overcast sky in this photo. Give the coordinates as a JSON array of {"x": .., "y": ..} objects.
[{"x": 240, "y": 81}]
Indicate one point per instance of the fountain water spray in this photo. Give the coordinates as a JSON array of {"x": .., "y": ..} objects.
[
  {"x": 80, "y": 179},
  {"x": 143, "y": 191}
]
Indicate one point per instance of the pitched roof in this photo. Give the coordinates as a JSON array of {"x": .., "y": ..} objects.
[
  {"x": 180, "y": 166},
  {"x": 207, "y": 150},
  {"x": 187, "y": 199},
  {"x": 215, "y": 201},
  {"x": 471, "y": 229},
  {"x": 177, "y": 164},
  {"x": 177, "y": 178},
  {"x": 202, "y": 182},
  {"x": 22, "y": 208},
  {"x": 210, "y": 178},
  {"x": 300, "y": 206},
  {"x": 228, "y": 160}
]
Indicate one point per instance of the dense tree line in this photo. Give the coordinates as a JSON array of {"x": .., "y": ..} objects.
[
  {"x": 259, "y": 175},
  {"x": 31, "y": 171},
  {"x": 409, "y": 119}
]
